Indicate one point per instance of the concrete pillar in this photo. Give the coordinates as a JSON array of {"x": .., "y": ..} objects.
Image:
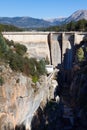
[
  {"x": 75, "y": 38},
  {"x": 55, "y": 49}
]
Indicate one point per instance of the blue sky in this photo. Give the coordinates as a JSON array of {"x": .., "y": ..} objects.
[{"x": 40, "y": 8}]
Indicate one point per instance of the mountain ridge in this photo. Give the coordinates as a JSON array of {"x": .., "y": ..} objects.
[
  {"x": 29, "y": 22},
  {"x": 77, "y": 15}
]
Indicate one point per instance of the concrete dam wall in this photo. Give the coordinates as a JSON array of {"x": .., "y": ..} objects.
[
  {"x": 58, "y": 47},
  {"x": 36, "y": 43}
]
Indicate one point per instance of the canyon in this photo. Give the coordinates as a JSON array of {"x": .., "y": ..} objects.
[{"x": 21, "y": 99}]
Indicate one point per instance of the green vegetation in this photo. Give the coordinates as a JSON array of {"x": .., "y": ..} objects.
[
  {"x": 16, "y": 62},
  {"x": 14, "y": 55},
  {"x": 35, "y": 78},
  {"x": 80, "y": 25},
  {"x": 80, "y": 54},
  {"x": 20, "y": 49},
  {"x": 3, "y": 47},
  {"x": 4, "y": 27}
]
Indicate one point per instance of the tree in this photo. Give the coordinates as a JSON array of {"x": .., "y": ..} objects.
[
  {"x": 20, "y": 49},
  {"x": 16, "y": 62},
  {"x": 71, "y": 26},
  {"x": 41, "y": 67},
  {"x": 80, "y": 54},
  {"x": 3, "y": 46},
  {"x": 80, "y": 26}
]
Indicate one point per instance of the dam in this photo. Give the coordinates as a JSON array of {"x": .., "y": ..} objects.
[{"x": 57, "y": 47}]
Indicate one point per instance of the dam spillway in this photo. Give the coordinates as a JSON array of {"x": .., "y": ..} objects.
[{"x": 58, "y": 47}]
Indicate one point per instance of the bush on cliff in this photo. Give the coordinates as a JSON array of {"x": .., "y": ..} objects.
[
  {"x": 41, "y": 67},
  {"x": 37, "y": 68},
  {"x": 80, "y": 54},
  {"x": 16, "y": 62},
  {"x": 3, "y": 47},
  {"x": 35, "y": 78},
  {"x": 20, "y": 49}
]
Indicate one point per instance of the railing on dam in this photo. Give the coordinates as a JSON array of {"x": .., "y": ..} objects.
[
  {"x": 26, "y": 33},
  {"x": 42, "y": 33}
]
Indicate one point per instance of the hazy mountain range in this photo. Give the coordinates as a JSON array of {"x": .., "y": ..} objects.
[{"x": 29, "y": 22}]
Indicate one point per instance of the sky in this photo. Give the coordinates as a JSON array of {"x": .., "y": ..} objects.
[{"x": 41, "y": 8}]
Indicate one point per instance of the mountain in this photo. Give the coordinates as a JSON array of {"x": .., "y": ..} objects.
[
  {"x": 76, "y": 16},
  {"x": 25, "y": 22},
  {"x": 56, "y": 21},
  {"x": 29, "y": 22}
]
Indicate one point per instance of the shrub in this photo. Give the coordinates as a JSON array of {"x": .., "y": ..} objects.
[
  {"x": 35, "y": 78},
  {"x": 80, "y": 54},
  {"x": 20, "y": 49},
  {"x": 41, "y": 67},
  {"x": 3, "y": 46},
  {"x": 16, "y": 63},
  {"x": 33, "y": 66},
  {"x": 9, "y": 43}
]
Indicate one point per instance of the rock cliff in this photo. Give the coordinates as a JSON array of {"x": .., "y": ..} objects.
[
  {"x": 20, "y": 98},
  {"x": 78, "y": 90}
]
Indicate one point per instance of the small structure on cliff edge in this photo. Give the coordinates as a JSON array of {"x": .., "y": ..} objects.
[{"x": 49, "y": 69}]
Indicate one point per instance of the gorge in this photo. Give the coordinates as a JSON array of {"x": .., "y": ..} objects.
[{"x": 23, "y": 102}]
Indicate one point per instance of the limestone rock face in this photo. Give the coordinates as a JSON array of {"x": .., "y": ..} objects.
[{"x": 19, "y": 98}]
